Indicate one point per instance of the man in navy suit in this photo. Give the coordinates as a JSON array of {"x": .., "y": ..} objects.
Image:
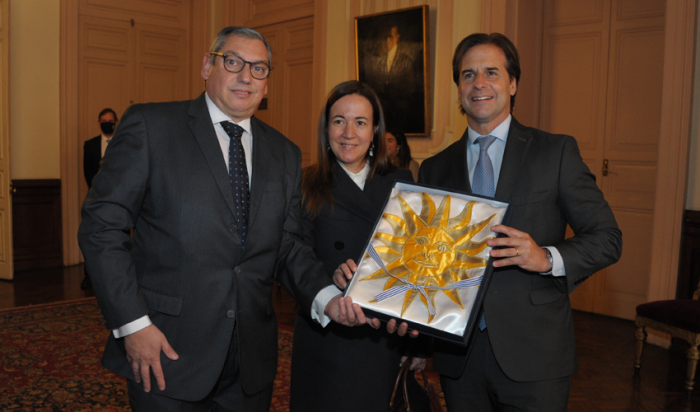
[
  {"x": 524, "y": 350},
  {"x": 93, "y": 150},
  {"x": 213, "y": 195}
]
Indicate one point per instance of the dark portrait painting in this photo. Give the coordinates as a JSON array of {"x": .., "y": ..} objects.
[{"x": 392, "y": 57}]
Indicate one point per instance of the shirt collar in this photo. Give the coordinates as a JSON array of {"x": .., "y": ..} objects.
[
  {"x": 392, "y": 52},
  {"x": 217, "y": 116},
  {"x": 360, "y": 177},
  {"x": 500, "y": 132}
]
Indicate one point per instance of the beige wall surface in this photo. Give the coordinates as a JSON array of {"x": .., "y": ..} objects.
[
  {"x": 35, "y": 92},
  {"x": 462, "y": 18},
  {"x": 34, "y": 101},
  {"x": 692, "y": 200}
]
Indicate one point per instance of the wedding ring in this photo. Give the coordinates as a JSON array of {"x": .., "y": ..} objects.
[{"x": 517, "y": 252}]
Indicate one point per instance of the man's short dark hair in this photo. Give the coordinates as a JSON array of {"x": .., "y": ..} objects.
[
  {"x": 105, "y": 111},
  {"x": 498, "y": 40},
  {"x": 239, "y": 31}
]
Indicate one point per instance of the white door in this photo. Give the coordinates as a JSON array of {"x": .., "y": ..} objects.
[{"x": 598, "y": 59}]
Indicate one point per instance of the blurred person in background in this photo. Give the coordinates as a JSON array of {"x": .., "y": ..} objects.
[{"x": 399, "y": 152}]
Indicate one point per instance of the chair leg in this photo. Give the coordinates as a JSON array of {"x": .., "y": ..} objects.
[
  {"x": 693, "y": 355},
  {"x": 641, "y": 336}
]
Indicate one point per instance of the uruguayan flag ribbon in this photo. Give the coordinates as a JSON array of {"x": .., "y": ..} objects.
[{"x": 397, "y": 290}]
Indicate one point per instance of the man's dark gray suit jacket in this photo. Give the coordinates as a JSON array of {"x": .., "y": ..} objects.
[
  {"x": 528, "y": 315},
  {"x": 165, "y": 176}
]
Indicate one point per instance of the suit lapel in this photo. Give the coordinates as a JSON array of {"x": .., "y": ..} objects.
[
  {"x": 205, "y": 135},
  {"x": 513, "y": 160},
  {"x": 376, "y": 190},
  {"x": 348, "y": 195},
  {"x": 458, "y": 164},
  {"x": 94, "y": 149},
  {"x": 262, "y": 159}
]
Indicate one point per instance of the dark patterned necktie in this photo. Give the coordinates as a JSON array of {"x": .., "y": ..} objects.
[
  {"x": 483, "y": 182},
  {"x": 238, "y": 176}
]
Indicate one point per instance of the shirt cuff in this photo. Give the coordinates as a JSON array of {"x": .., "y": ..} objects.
[
  {"x": 318, "y": 307},
  {"x": 132, "y": 327},
  {"x": 558, "y": 269}
]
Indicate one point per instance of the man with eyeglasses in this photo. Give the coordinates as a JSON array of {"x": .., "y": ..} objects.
[{"x": 213, "y": 195}]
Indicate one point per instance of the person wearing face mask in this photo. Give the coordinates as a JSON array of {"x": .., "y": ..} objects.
[{"x": 93, "y": 150}]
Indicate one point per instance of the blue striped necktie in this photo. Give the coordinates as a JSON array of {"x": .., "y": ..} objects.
[{"x": 483, "y": 182}]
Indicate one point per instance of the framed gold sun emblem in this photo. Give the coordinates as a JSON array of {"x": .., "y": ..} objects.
[{"x": 427, "y": 256}]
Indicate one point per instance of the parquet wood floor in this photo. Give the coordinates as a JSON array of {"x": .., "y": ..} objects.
[{"x": 605, "y": 381}]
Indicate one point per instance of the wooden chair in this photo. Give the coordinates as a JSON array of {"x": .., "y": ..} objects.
[{"x": 679, "y": 318}]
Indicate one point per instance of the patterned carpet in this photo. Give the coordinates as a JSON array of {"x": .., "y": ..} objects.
[
  {"x": 50, "y": 361},
  {"x": 50, "y": 356}
]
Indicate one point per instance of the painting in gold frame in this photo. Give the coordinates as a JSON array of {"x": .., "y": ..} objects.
[{"x": 392, "y": 56}]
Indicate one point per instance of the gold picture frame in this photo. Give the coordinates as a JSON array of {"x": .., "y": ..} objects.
[
  {"x": 427, "y": 261},
  {"x": 392, "y": 56}
]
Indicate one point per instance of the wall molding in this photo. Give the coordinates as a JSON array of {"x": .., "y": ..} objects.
[
  {"x": 671, "y": 183},
  {"x": 70, "y": 147},
  {"x": 188, "y": 15},
  {"x": 36, "y": 223}
]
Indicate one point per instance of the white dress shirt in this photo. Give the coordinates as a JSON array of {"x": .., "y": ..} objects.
[
  {"x": 390, "y": 58},
  {"x": 495, "y": 152},
  {"x": 104, "y": 142},
  {"x": 360, "y": 177}
]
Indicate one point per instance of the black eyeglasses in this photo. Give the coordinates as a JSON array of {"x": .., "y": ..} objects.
[{"x": 235, "y": 64}]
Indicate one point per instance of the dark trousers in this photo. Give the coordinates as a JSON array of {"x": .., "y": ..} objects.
[
  {"x": 227, "y": 394},
  {"x": 484, "y": 387}
]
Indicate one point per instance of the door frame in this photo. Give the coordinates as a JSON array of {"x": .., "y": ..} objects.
[
  {"x": 71, "y": 145},
  {"x": 6, "y": 251}
]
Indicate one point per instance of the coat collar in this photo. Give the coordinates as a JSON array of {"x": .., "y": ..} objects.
[
  {"x": 519, "y": 139},
  {"x": 348, "y": 195},
  {"x": 203, "y": 131},
  {"x": 458, "y": 163},
  {"x": 514, "y": 157},
  {"x": 262, "y": 159}
]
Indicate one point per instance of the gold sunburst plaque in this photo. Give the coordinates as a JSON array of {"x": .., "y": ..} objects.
[{"x": 429, "y": 245}]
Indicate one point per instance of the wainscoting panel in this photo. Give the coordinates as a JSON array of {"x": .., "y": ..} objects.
[{"x": 36, "y": 224}]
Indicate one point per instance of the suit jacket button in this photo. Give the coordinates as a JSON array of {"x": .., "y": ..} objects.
[
  {"x": 231, "y": 313},
  {"x": 237, "y": 269},
  {"x": 233, "y": 228},
  {"x": 339, "y": 245}
]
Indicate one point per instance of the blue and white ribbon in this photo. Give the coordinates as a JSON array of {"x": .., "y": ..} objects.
[{"x": 397, "y": 290}]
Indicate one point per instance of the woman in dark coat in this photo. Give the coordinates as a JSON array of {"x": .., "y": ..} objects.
[{"x": 338, "y": 368}]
